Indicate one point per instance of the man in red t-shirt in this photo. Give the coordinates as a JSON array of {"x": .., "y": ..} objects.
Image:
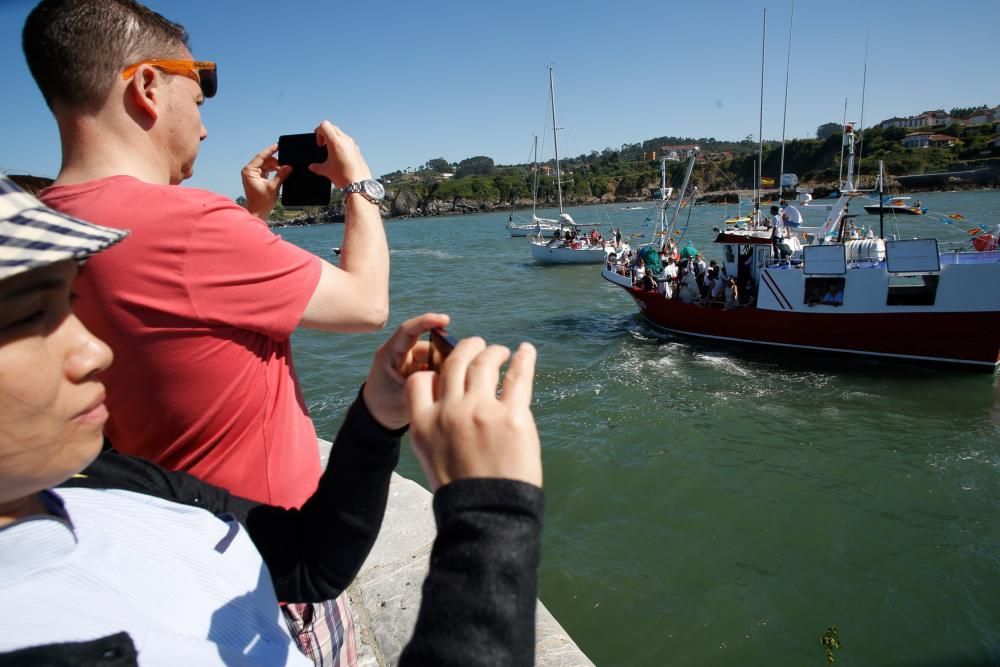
[{"x": 200, "y": 307}]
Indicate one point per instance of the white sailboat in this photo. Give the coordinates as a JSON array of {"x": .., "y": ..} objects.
[
  {"x": 538, "y": 225},
  {"x": 568, "y": 247}
]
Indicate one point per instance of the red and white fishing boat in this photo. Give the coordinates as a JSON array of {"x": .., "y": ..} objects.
[{"x": 907, "y": 299}]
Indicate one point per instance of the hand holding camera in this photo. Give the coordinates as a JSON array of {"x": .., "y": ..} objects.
[
  {"x": 316, "y": 159},
  {"x": 344, "y": 164},
  {"x": 398, "y": 358},
  {"x": 461, "y": 429}
]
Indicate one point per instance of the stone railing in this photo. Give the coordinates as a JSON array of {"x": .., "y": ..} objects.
[{"x": 385, "y": 596}]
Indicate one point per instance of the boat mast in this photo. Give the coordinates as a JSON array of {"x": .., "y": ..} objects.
[
  {"x": 843, "y": 124},
  {"x": 555, "y": 139},
  {"x": 881, "y": 204},
  {"x": 784, "y": 115},
  {"x": 534, "y": 186},
  {"x": 663, "y": 202},
  {"x": 680, "y": 198},
  {"x": 760, "y": 127},
  {"x": 849, "y": 143},
  {"x": 864, "y": 85}
]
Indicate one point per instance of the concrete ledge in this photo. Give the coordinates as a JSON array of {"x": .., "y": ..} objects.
[{"x": 385, "y": 596}]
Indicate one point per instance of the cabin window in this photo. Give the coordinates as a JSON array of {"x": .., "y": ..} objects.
[
  {"x": 912, "y": 290},
  {"x": 824, "y": 292}
]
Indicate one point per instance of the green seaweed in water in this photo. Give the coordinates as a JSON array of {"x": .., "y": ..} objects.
[{"x": 830, "y": 641}]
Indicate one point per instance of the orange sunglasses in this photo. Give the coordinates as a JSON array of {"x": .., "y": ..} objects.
[{"x": 204, "y": 72}]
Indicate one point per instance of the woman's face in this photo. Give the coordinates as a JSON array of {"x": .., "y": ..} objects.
[{"x": 52, "y": 410}]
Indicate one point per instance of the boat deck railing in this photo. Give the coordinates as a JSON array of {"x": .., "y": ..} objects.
[{"x": 963, "y": 256}]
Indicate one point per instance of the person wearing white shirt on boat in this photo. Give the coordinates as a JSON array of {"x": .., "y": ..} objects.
[
  {"x": 777, "y": 231},
  {"x": 699, "y": 263},
  {"x": 717, "y": 285},
  {"x": 791, "y": 215},
  {"x": 638, "y": 271},
  {"x": 668, "y": 277},
  {"x": 670, "y": 269},
  {"x": 689, "y": 286}
]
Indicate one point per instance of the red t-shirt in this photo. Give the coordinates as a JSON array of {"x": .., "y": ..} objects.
[{"x": 198, "y": 305}]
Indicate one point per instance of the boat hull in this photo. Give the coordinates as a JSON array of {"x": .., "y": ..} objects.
[
  {"x": 873, "y": 209},
  {"x": 968, "y": 338},
  {"x": 541, "y": 252},
  {"x": 530, "y": 230}
]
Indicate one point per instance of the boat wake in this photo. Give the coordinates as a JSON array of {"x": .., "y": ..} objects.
[{"x": 423, "y": 252}]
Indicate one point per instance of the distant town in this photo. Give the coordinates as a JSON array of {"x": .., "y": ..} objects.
[{"x": 934, "y": 149}]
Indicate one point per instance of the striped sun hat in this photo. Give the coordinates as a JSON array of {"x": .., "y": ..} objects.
[{"x": 34, "y": 235}]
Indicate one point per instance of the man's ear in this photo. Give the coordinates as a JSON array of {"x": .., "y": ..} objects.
[{"x": 146, "y": 90}]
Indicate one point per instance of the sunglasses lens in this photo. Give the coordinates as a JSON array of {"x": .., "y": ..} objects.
[{"x": 209, "y": 80}]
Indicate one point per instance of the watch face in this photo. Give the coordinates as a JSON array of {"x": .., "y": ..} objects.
[{"x": 374, "y": 189}]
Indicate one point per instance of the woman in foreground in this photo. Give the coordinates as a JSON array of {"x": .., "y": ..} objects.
[{"x": 111, "y": 560}]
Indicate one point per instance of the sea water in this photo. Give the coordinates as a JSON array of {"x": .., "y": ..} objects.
[{"x": 709, "y": 505}]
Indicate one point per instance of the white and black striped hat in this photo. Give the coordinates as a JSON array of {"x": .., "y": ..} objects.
[{"x": 34, "y": 235}]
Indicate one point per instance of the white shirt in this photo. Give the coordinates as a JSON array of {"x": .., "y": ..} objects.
[
  {"x": 717, "y": 286},
  {"x": 187, "y": 586},
  {"x": 778, "y": 225},
  {"x": 793, "y": 215}
]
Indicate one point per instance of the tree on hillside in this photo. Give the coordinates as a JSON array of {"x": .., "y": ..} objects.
[
  {"x": 479, "y": 165},
  {"x": 894, "y": 133},
  {"x": 965, "y": 112},
  {"x": 439, "y": 164},
  {"x": 827, "y": 130}
]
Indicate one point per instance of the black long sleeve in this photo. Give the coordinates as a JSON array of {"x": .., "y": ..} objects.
[
  {"x": 478, "y": 604},
  {"x": 313, "y": 552}
]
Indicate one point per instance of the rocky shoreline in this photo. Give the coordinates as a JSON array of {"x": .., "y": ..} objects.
[{"x": 406, "y": 204}]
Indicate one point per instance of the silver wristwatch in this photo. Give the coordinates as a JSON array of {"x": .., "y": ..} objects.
[{"x": 369, "y": 188}]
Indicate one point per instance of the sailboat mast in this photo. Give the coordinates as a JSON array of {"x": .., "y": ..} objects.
[
  {"x": 534, "y": 186},
  {"x": 784, "y": 115},
  {"x": 881, "y": 201},
  {"x": 864, "y": 86},
  {"x": 760, "y": 127},
  {"x": 663, "y": 203},
  {"x": 555, "y": 139},
  {"x": 843, "y": 124}
]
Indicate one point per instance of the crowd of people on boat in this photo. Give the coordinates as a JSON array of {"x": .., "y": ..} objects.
[
  {"x": 682, "y": 276},
  {"x": 571, "y": 237}
]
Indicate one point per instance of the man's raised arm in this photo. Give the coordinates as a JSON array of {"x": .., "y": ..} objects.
[{"x": 355, "y": 296}]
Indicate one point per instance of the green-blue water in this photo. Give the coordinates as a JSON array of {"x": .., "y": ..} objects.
[{"x": 713, "y": 506}]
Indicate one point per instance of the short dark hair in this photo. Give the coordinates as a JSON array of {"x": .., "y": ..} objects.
[{"x": 75, "y": 48}]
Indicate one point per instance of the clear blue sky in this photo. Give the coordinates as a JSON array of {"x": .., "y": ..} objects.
[{"x": 411, "y": 81}]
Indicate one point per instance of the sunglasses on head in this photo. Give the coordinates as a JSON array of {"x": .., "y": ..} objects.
[{"x": 205, "y": 73}]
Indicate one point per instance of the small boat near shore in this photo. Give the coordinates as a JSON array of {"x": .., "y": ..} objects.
[{"x": 896, "y": 206}]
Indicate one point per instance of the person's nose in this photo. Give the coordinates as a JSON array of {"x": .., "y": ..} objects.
[{"x": 86, "y": 354}]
